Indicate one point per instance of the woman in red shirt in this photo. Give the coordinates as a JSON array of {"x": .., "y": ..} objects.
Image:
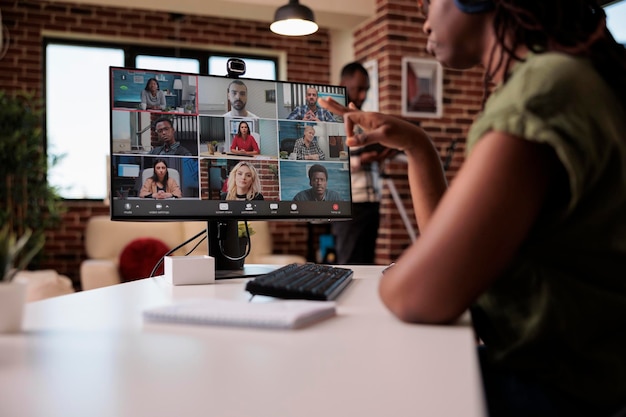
[{"x": 244, "y": 142}]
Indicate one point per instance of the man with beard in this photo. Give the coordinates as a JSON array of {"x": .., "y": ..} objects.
[
  {"x": 310, "y": 111},
  {"x": 237, "y": 94}
]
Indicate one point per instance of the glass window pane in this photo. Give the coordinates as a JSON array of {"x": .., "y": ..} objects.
[
  {"x": 263, "y": 69},
  {"x": 615, "y": 18},
  {"x": 77, "y": 117},
  {"x": 162, "y": 63}
]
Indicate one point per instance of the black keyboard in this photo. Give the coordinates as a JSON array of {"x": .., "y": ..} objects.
[{"x": 302, "y": 281}]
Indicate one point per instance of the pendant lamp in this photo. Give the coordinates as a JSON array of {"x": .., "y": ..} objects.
[{"x": 294, "y": 19}]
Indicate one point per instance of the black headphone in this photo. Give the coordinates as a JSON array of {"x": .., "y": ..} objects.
[{"x": 474, "y": 6}]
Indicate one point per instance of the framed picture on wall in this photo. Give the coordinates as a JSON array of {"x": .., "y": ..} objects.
[
  {"x": 422, "y": 88},
  {"x": 371, "y": 100}
]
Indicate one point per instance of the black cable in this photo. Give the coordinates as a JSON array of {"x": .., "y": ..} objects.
[
  {"x": 197, "y": 244},
  {"x": 230, "y": 258},
  {"x": 176, "y": 248}
]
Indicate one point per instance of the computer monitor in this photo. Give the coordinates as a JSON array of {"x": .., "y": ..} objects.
[{"x": 234, "y": 150}]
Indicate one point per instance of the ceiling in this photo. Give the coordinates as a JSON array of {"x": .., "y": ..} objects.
[{"x": 329, "y": 14}]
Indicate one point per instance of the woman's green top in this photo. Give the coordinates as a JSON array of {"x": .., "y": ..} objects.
[{"x": 559, "y": 311}]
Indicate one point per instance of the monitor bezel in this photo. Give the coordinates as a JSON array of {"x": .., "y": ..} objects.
[{"x": 198, "y": 209}]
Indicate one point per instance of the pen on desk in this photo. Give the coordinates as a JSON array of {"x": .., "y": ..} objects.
[{"x": 388, "y": 267}]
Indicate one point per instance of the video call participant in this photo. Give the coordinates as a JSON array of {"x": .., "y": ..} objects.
[
  {"x": 355, "y": 239},
  {"x": 310, "y": 110},
  {"x": 167, "y": 135},
  {"x": 531, "y": 234},
  {"x": 307, "y": 147},
  {"x": 237, "y": 94},
  {"x": 243, "y": 142},
  {"x": 318, "y": 180},
  {"x": 160, "y": 185},
  {"x": 152, "y": 98},
  {"x": 243, "y": 183}
]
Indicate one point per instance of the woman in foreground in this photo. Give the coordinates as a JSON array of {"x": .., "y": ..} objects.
[{"x": 531, "y": 234}]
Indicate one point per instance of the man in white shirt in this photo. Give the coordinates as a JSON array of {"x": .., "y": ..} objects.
[{"x": 237, "y": 94}]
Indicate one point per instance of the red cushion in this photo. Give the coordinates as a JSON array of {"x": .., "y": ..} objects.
[{"x": 140, "y": 256}]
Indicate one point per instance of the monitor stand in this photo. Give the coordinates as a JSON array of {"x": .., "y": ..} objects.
[{"x": 227, "y": 268}]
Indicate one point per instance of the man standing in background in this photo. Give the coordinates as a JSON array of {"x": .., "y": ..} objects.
[{"x": 355, "y": 240}]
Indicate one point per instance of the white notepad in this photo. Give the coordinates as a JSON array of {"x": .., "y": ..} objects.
[{"x": 283, "y": 314}]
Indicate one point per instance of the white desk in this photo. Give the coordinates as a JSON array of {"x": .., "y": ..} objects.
[{"x": 90, "y": 354}]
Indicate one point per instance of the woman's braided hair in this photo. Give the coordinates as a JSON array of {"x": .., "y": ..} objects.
[{"x": 575, "y": 27}]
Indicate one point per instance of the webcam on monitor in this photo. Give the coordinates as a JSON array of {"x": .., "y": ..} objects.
[{"x": 235, "y": 67}]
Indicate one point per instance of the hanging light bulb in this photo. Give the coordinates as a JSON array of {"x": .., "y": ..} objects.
[{"x": 294, "y": 19}]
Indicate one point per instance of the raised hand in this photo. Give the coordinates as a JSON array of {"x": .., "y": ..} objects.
[{"x": 363, "y": 128}]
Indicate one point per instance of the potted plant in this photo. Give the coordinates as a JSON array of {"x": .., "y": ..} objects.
[
  {"x": 28, "y": 205},
  {"x": 14, "y": 257},
  {"x": 243, "y": 239},
  {"x": 213, "y": 147},
  {"x": 13, "y": 254},
  {"x": 274, "y": 170},
  {"x": 241, "y": 230}
]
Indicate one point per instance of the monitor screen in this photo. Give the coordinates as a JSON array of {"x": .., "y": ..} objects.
[
  {"x": 220, "y": 150},
  {"x": 199, "y": 147}
]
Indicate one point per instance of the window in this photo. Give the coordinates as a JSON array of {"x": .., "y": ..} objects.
[
  {"x": 615, "y": 18},
  {"x": 77, "y": 103},
  {"x": 168, "y": 63},
  {"x": 77, "y": 117}
]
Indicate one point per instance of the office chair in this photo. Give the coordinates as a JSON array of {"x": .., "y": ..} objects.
[{"x": 287, "y": 145}]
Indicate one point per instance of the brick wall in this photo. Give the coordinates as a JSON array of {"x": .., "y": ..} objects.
[{"x": 394, "y": 32}]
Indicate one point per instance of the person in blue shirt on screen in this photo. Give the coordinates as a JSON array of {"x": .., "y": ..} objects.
[
  {"x": 310, "y": 111},
  {"x": 318, "y": 179}
]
